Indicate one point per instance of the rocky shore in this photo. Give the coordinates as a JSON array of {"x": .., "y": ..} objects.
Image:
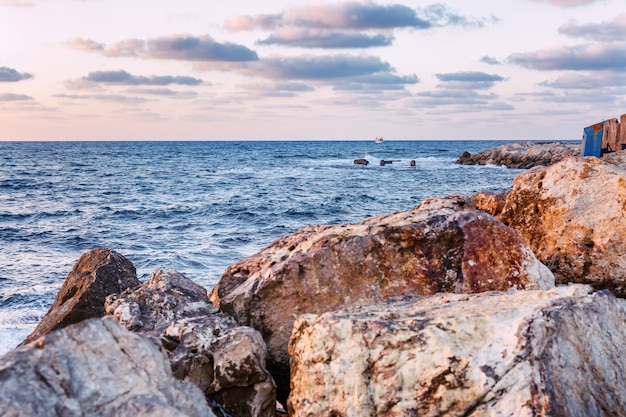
[
  {"x": 522, "y": 154},
  {"x": 485, "y": 305}
]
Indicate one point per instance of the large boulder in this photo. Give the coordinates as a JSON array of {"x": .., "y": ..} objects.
[
  {"x": 522, "y": 154},
  {"x": 95, "y": 275},
  {"x": 225, "y": 360},
  {"x": 94, "y": 368},
  {"x": 444, "y": 245},
  {"x": 573, "y": 214},
  {"x": 522, "y": 353}
]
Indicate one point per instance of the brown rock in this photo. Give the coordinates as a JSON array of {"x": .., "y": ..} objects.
[
  {"x": 515, "y": 353},
  {"x": 97, "y": 274},
  {"x": 444, "y": 245},
  {"x": 573, "y": 214},
  {"x": 491, "y": 203},
  {"x": 94, "y": 368},
  {"x": 225, "y": 360}
]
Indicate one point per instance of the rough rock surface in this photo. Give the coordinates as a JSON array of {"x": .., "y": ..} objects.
[
  {"x": 95, "y": 275},
  {"x": 225, "y": 360},
  {"x": 573, "y": 214},
  {"x": 522, "y": 154},
  {"x": 492, "y": 203},
  {"x": 94, "y": 368},
  {"x": 440, "y": 246},
  {"x": 516, "y": 353}
]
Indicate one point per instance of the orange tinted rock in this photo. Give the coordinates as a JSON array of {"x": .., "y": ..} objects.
[
  {"x": 444, "y": 245},
  {"x": 573, "y": 214},
  {"x": 492, "y": 203}
]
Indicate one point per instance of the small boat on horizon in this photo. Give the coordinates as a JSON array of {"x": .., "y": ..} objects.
[{"x": 379, "y": 139}]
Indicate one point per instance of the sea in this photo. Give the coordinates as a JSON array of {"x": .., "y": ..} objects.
[{"x": 197, "y": 207}]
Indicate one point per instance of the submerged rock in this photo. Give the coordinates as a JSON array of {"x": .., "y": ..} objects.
[
  {"x": 522, "y": 154},
  {"x": 95, "y": 275},
  {"x": 225, "y": 360},
  {"x": 95, "y": 367},
  {"x": 444, "y": 245},
  {"x": 524, "y": 353},
  {"x": 573, "y": 214}
]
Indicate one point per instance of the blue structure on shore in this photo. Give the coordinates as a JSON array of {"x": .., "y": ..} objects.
[{"x": 592, "y": 140}]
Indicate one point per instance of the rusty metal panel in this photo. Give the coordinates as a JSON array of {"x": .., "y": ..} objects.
[
  {"x": 609, "y": 137},
  {"x": 621, "y": 132},
  {"x": 592, "y": 140}
]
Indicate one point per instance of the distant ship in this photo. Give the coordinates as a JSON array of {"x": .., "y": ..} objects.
[{"x": 379, "y": 139}]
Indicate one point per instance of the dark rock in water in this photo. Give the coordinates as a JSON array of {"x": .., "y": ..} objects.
[
  {"x": 96, "y": 275},
  {"x": 522, "y": 154},
  {"x": 361, "y": 161},
  {"x": 225, "y": 360},
  {"x": 94, "y": 368},
  {"x": 444, "y": 245}
]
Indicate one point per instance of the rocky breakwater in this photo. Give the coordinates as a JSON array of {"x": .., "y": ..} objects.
[
  {"x": 522, "y": 154},
  {"x": 525, "y": 353},
  {"x": 443, "y": 245},
  {"x": 99, "y": 367},
  {"x": 573, "y": 214}
]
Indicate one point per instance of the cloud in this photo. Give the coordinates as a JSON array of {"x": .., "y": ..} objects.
[
  {"x": 118, "y": 98},
  {"x": 307, "y": 38},
  {"x": 377, "y": 83},
  {"x": 567, "y": 3},
  {"x": 578, "y": 58},
  {"x": 18, "y": 3},
  {"x": 357, "y": 16},
  {"x": 177, "y": 47},
  {"x": 578, "y": 81},
  {"x": 125, "y": 78},
  {"x": 462, "y": 89},
  {"x": 14, "y": 97},
  {"x": 277, "y": 89},
  {"x": 469, "y": 80},
  {"x": 10, "y": 75},
  {"x": 490, "y": 60},
  {"x": 446, "y": 97},
  {"x": 310, "y": 67},
  {"x": 165, "y": 92},
  {"x": 609, "y": 31}
]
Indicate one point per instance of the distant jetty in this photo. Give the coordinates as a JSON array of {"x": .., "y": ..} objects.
[{"x": 522, "y": 155}]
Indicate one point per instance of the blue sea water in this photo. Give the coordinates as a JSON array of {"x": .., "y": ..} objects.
[{"x": 196, "y": 206}]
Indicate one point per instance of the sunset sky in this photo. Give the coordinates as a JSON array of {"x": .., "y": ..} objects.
[{"x": 307, "y": 70}]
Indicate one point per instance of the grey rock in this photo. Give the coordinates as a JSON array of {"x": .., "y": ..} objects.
[
  {"x": 522, "y": 155},
  {"x": 225, "y": 360},
  {"x": 94, "y": 368}
]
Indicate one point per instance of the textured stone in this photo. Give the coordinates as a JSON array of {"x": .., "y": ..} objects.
[
  {"x": 492, "y": 203},
  {"x": 573, "y": 214},
  {"x": 522, "y": 154},
  {"x": 97, "y": 274},
  {"x": 94, "y": 368},
  {"x": 444, "y": 245},
  {"x": 522, "y": 353},
  {"x": 225, "y": 360}
]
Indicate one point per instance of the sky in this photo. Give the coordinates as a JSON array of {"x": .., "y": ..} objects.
[{"x": 309, "y": 70}]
